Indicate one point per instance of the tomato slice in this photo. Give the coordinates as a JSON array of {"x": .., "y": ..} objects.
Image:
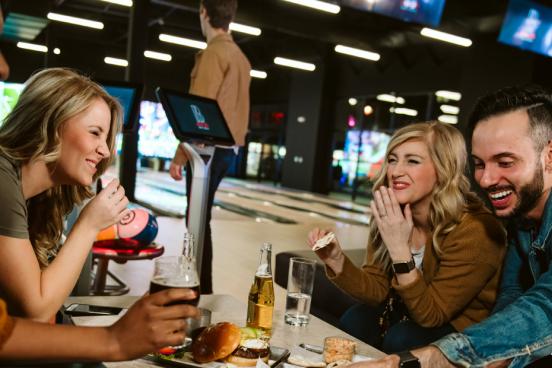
[{"x": 168, "y": 350}]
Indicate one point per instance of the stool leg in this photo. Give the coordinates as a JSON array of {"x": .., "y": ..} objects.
[{"x": 98, "y": 287}]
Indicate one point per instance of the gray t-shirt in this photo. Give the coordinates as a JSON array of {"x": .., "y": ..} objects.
[{"x": 13, "y": 208}]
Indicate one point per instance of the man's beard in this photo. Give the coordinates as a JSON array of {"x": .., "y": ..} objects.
[{"x": 529, "y": 194}]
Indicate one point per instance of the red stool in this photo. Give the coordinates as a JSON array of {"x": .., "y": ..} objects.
[{"x": 119, "y": 251}]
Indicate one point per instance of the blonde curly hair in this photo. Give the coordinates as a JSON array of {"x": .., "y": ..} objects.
[
  {"x": 450, "y": 197},
  {"x": 33, "y": 130}
]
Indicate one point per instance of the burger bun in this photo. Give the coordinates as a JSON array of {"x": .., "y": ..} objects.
[{"x": 216, "y": 342}]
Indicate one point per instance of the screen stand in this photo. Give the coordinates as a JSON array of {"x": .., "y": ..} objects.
[{"x": 200, "y": 161}]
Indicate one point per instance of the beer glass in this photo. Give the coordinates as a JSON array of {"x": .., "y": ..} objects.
[{"x": 175, "y": 272}]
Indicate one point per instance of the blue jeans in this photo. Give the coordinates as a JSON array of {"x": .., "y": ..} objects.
[
  {"x": 361, "y": 321},
  {"x": 223, "y": 158}
]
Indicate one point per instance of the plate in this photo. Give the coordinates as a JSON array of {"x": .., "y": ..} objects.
[{"x": 186, "y": 361}]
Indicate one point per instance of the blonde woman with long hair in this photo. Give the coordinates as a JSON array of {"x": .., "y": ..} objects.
[
  {"x": 434, "y": 251},
  {"x": 54, "y": 144}
]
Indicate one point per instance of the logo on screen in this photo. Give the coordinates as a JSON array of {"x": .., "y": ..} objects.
[{"x": 199, "y": 118}]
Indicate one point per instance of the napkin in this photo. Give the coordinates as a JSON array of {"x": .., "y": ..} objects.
[{"x": 305, "y": 358}]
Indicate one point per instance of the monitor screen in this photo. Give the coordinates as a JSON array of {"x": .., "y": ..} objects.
[
  {"x": 416, "y": 11},
  {"x": 129, "y": 96},
  {"x": 195, "y": 118},
  {"x": 528, "y": 25},
  {"x": 155, "y": 135},
  {"x": 9, "y": 94},
  {"x": 363, "y": 154}
]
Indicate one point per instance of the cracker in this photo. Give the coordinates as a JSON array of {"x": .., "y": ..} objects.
[{"x": 324, "y": 241}]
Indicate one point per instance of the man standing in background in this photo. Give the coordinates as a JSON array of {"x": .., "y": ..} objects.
[{"x": 221, "y": 72}]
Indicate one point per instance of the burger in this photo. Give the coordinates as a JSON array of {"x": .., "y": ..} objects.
[
  {"x": 226, "y": 341},
  {"x": 253, "y": 346}
]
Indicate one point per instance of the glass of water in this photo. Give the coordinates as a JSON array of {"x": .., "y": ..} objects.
[{"x": 299, "y": 290}]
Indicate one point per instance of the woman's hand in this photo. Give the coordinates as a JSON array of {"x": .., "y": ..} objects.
[
  {"x": 332, "y": 254},
  {"x": 394, "y": 226},
  {"x": 107, "y": 208},
  {"x": 149, "y": 325}
]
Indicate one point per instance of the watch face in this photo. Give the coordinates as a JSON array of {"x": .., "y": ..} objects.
[
  {"x": 402, "y": 267},
  {"x": 414, "y": 363}
]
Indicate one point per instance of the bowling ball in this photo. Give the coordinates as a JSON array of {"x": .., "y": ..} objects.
[
  {"x": 137, "y": 229},
  {"x": 138, "y": 225}
]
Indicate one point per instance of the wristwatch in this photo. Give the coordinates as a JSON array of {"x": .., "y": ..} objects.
[
  {"x": 404, "y": 267},
  {"x": 408, "y": 360}
]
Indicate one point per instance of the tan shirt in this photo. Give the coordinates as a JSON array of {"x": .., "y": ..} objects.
[
  {"x": 221, "y": 72},
  {"x": 459, "y": 287}
]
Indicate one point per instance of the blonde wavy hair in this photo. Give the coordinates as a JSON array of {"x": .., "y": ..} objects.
[
  {"x": 33, "y": 130},
  {"x": 451, "y": 197}
]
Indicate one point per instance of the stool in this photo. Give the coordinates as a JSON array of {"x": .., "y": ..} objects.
[{"x": 119, "y": 251}]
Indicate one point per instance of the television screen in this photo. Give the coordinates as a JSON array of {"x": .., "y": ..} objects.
[
  {"x": 528, "y": 25},
  {"x": 364, "y": 152},
  {"x": 417, "y": 11},
  {"x": 9, "y": 94},
  {"x": 129, "y": 96},
  {"x": 155, "y": 135},
  {"x": 195, "y": 118}
]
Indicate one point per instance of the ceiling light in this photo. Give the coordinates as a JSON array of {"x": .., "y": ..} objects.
[
  {"x": 115, "y": 61},
  {"x": 32, "y": 46},
  {"x": 446, "y": 37},
  {"x": 254, "y": 31},
  {"x": 294, "y": 64},
  {"x": 449, "y": 109},
  {"x": 57, "y": 51},
  {"x": 368, "y": 110},
  {"x": 119, "y": 2},
  {"x": 182, "y": 41},
  {"x": 75, "y": 20},
  {"x": 368, "y": 55},
  {"x": 258, "y": 74},
  {"x": 385, "y": 97},
  {"x": 449, "y": 95},
  {"x": 449, "y": 119},
  {"x": 353, "y": 101},
  {"x": 318, "y": 5},
  {"x": 157, "y": 55},
  {"x": 403, "y": 111}
]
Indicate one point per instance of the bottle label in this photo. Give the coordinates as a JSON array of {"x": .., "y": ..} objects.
[{"x": 260, "y": 316}]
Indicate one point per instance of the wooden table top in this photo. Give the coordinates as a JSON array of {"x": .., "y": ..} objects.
[{"x": 227, "y": 308}]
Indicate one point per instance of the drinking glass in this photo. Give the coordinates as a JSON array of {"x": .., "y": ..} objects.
[
  {"x": 299, "y": 290},
  {"x": 175, "y": 272}
]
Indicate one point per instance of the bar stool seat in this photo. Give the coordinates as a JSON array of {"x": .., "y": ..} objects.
[{"x": 120, "y": 251}]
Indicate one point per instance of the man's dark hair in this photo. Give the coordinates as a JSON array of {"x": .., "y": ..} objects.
[
  {"x": 535, "y": 99},
  {"x": 220, "y": 12}
]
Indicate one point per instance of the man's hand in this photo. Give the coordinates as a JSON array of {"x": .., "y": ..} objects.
[
  {"x": 178, "y": 162},
  {"x": 390, "y": 361},
  {"x": 430, "y": 357}
]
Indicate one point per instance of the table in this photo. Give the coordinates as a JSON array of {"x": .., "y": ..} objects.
[{"x": 228, "y": 308}]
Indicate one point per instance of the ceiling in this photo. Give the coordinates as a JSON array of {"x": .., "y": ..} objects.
[{"x": 287, "y": 30}]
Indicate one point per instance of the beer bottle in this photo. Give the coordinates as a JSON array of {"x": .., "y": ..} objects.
[{"x": 261, "y": 295}]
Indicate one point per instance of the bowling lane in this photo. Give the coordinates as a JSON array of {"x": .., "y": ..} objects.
[
  {"x": 290, "y": 202},
  {"x": 299, "y": 195}
]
